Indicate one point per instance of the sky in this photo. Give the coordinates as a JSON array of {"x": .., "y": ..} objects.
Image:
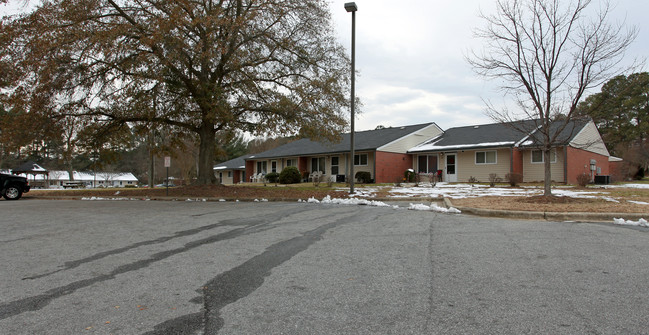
[{"x": 411, "y": 58}]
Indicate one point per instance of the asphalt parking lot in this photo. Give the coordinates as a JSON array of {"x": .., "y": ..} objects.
[{"x": 147, "y": 267}]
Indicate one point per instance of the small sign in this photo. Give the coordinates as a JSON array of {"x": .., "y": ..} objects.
[{"x": 167, "y": 161}]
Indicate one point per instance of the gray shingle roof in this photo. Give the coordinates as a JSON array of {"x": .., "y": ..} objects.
[
  {"x": 363, "y": 141},
  {"x": 496, "y": 135},
  {"x": 238, "y": 163}
]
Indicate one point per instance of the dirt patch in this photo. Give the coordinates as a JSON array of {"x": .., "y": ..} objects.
[{"x": 553, "y": 204}]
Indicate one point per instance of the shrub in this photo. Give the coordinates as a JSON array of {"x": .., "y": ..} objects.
[
  {"x": 493, "y": 179},
  {"x": 514, "y": 179},
  {"x": 473, "y": 180},
  {"x": 409, "y": 176},
  {"x": 317, "y": 179},
  {"x": 290, "y": 175},
  {"x": 363, "y": 177},
  {"x": 583, "y": 180},
  {"x": 272, "y": 177}
]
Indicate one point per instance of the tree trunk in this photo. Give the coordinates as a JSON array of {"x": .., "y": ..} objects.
[
  {"x": 207, "y": 146},
  {"x": 547, "y": 190},
  {"x": 151, "y": 159}
]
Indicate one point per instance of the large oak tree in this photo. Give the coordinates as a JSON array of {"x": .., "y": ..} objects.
[{"x": 197, "y": 66}]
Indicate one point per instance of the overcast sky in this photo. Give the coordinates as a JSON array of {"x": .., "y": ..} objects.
[{"x": 410, "y": 55}]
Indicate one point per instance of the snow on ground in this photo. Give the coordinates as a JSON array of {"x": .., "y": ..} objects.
[
  {"x": 434, "y": 208},
  {"x": 350, "y": 201},
  {"x": 638, "y": 202},
  {"x": 459, "y": 191},
  {"x": 639, "y": 223},
  {"x": 627, "y": 186}
]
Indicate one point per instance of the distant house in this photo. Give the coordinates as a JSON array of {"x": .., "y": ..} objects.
[
  {"x": 232, "y": 171},
  {"x": 477, "y": 151},
  {"x": 60, "y": 178},
  {"x": 381, "y": 152}
]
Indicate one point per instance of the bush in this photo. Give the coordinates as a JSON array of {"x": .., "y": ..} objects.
[
  {"x": 409, "y": 176},
  {"x": 272, "y": 177},
  {"x": 493, "y": 179},
  {"x": 473, "y": 180},
  {"x": 514, "y": 179},
  {"x": 363, "y": 177},
  {"x": 583, "y": 180},
  {"x": 290, "y": 175}
]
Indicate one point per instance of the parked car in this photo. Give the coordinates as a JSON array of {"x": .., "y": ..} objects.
[{"x": 12, "y": 187}]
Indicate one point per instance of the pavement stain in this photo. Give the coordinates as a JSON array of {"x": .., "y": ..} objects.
[
  {"x": 37, "y": 302},
  {"x": 230, "y": 286}
]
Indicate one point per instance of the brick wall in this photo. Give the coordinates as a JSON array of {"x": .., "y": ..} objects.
[
  {"x": 390, "y": 167},
  {"x": 579, "y": 162},
  {"x": 517, "y": 161},
  {"x": 250, "y": 170}
]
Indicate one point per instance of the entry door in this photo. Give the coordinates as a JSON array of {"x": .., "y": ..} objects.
[{"x": 451, "y": 168}]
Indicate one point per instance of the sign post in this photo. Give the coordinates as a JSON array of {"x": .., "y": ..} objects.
[{"x": 167, "y": 165}]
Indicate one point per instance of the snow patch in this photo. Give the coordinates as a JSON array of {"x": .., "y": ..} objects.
[
  {"x": 434, "y": 208},
  {"x": 640, "y": 223}
]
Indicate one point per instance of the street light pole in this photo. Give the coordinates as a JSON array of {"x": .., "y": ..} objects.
[{"x": 351, "y": 7}]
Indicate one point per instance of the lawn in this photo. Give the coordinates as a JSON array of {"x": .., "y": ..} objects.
[{"x": 620, "y": 198}]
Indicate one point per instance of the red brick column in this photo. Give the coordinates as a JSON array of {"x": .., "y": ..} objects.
[
  {"x": 390, "y": 167},
  {"x": 250, "y": 170}
]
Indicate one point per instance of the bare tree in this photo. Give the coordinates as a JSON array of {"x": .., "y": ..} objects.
[{"x": 547, "y": 53}]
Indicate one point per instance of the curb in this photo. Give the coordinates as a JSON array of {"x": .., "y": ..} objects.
[{"x": 549, "y": 216}]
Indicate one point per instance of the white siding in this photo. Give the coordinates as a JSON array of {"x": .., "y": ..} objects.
[
  {"x": 535, "y": 172},
  {"x": 467, "y": 167},
  {"x": 407, "y": 142},
  {"x": 589, "y": 139}
]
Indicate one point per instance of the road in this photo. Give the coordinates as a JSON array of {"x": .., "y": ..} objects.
[{"x": 146, "y": 267}]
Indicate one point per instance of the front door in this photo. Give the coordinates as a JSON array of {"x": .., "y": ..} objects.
[{"x": 451, "y": 168}]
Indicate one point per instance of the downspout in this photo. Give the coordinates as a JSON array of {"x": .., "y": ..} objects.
[
  {"x": 375, "y": 152},
  {"x": 565, "y": 165}
]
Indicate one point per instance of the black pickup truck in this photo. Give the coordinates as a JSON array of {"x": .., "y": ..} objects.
[{"x": 12, "y": 187}]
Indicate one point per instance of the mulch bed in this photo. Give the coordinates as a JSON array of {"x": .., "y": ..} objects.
[{"x": 197, "y": 191}]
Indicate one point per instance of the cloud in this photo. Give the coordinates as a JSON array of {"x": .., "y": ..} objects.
[{"x": 411, "y": 59}]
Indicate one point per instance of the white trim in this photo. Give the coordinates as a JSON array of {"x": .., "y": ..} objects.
[
  {"x": 552, "y": 161},
  {"x": 475, "y": 157},
  {"x": 526, "y": 137}
]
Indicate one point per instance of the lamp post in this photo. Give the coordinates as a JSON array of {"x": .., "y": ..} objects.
[{"x": 351, "y": 7}]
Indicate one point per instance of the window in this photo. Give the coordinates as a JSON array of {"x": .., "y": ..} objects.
[
  {"x": 360, "y": 160},
  {"x": 273, "y": 166},
  {"x": 485, "y": 157},
  {"x": 291, "y": 162},
  {"x": 334, "y": 166},
  {"x": 427, "y": 164},
  {"x": 229, "y": 174},
  {"x": 537, "y": 156},
  {"x": 318, "y": 164}
]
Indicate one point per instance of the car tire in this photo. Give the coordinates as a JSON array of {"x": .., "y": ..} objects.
[{"x": 13, "y": 192}]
